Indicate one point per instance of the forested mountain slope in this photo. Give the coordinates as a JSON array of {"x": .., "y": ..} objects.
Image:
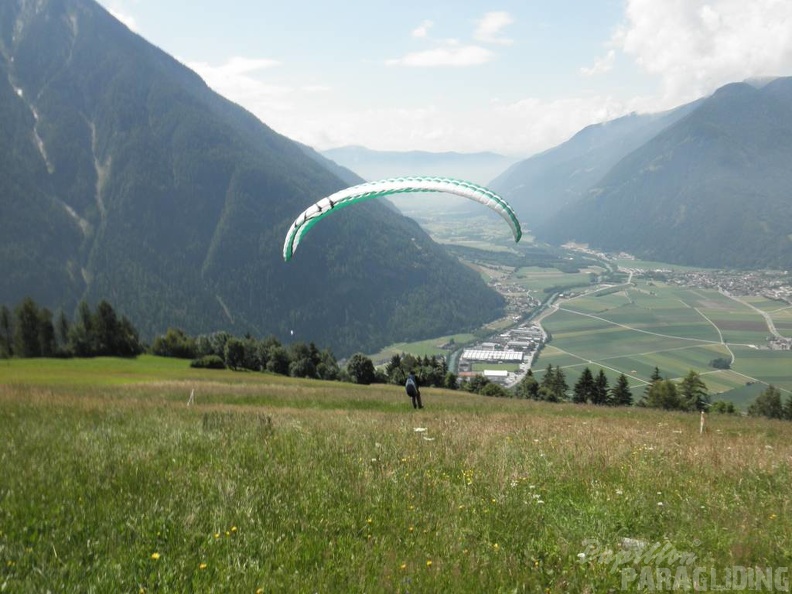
[
  {"x": 124, "y": 177},
  {"x": 713, "y": 189}
]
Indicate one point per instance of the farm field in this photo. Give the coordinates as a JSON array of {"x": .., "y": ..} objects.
[
  {"x": 111, "y": 482},
  {"x": 676, "y": 329},
  {"x": 422, "y": 347}
]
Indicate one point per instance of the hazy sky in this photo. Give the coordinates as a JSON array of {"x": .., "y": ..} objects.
[{"x": 515, "y": 76}]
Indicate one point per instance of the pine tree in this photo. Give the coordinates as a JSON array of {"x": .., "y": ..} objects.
[
  {"x": 600, "y": 393},
  {"x": 557, "y": 385},
  {"x": 26, "y": 329},
  {"x": 693, "y": 392},
  {"x": 583, "y": 391},
  {"x": 6, "y": 333},
  {"x": 621, "y": 394}
]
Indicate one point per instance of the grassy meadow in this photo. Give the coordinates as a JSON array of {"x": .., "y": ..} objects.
[{"x": 111, "y": 482}]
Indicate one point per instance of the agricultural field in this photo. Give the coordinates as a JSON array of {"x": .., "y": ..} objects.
[
  {"x": 633, "y": 330},
  {"x": 422, "y": 347},
  {"x": 112, "y": 482},
  {"x": 538, "y": 279}
]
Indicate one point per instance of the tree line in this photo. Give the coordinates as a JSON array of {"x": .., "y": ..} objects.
[{"x": 34, "y": 331}]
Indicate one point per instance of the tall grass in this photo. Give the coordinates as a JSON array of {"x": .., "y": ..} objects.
[{"x": 285, "y": 485}]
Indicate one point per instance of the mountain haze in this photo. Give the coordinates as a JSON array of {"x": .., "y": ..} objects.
[
  {"x": 542, "y": 185},
  {"x": 124, "y": 177},
  {"x": 711, "y": 189},
  {"x": 372, "y": 165}
]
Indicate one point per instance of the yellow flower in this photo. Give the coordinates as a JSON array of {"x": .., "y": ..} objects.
[
  {"x": 202, "y": 566},
  {"x": 155, "y": 556},
  {"x": 217, "y": 535},
  {"x": 403, "y": 566},
  {"x": 428, "y": 562},
  {"x": 233, "y": 528}
]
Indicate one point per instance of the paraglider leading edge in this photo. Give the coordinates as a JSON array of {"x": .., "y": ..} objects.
[{"x": 399, "y": 185}]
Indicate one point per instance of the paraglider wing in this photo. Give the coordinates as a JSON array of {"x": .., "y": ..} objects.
[{"x": 377, "y": 189}]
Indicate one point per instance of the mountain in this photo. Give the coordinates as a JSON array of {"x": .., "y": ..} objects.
[
  {"x": 372, "y": 165},
  {"x": 124, "y": 177},
  {"x": 712, "y": 189},
  {"x": 542, "y": 185}
]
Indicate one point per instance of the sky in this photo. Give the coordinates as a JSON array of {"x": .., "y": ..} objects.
[{"x": 514, "y": 77}]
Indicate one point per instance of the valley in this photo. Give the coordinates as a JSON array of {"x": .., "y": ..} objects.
[{"x": 624, "y": 315}]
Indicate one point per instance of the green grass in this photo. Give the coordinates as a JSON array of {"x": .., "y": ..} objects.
[
  {"x": 111, "y": 483},
  {"x": 422, "y": 348}
]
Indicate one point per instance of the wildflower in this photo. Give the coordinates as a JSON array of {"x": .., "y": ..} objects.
[
  {"x": 659, "y": 504},
  {"x": 155, "y": 556},
  {"x": 217, "y": 535},
  {"x": 428, "y": 562},
  {"x": 773, "y": 516},
  {"x": 496, "y": 546},
  {"x": 403, "y": 566},
  {"x": 233, "y": 528},
  {"x": 202, "y": 566},
  {"x": 369, "y": 520}
]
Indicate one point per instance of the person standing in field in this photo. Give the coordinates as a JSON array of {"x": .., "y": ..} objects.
[{"x": 413, "y": 390}]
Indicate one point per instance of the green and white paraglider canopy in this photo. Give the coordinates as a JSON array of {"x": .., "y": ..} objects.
[{"x": 398, "y": 185}]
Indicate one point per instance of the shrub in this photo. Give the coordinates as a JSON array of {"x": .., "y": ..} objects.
[{"x": 208, "y": 362}]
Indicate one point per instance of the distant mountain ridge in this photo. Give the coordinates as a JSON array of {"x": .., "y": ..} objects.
[
  {"x": 706, "y": 184},
  {"x": 124, "y": 177},
  {"x": 373, "y": 165},
  {"x": 542, "y": 185}
]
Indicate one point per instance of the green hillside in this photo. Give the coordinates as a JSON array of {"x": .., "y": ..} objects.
[
  {"x": 710, "y": 190},
  {"x": 124, "y": 177}
]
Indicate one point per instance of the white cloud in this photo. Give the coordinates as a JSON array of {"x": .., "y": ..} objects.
[
  {"x": 450, "y": 54},
  {"x": 422, "y": 30},
  {"x": 695, "y": 46},
  {"x": 125, "y": 18},
  {"x": 519, "y": 128},
  {"x": 236, "y": 80},
  {"x": 490, "y": 26},
  {"x": 601, "y": 65}
]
